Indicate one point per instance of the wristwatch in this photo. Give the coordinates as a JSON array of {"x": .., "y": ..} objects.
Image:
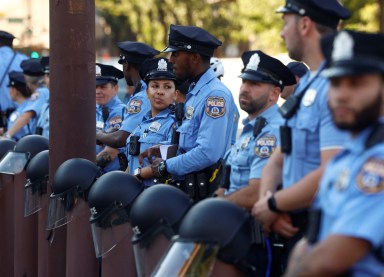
[
  {"x": 162, "y": 170},
  {"x": 137, "y": 174},
  {"x": 272, "y": 205}
]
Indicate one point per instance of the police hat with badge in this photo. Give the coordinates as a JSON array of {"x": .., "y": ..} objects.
[
  {"x": 32, "y": 67},
  {"x": 191, "y": 39},
  {"x": 157, "y": 69},
  {"x": 16, "y": 78},
  {"x": 135, "y": 52},
  {"x": 352, "y": 53},
  {"x": 325, "y": 12},
  {"x": 260, "y": 67},
  {"x": 45, "y": 63},
  {"x": 107, "y": 74}
]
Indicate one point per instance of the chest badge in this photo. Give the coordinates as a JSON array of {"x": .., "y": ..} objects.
[
  {"x": 154, "y": 127},
  {"x": 309, "y": 97},
  {"x": 341, "y": 182},
  {"x": 189, "y": 113}
]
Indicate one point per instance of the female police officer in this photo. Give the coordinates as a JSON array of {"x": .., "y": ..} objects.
[
  {"x": 19, "y": 93},
  {"x": 156, "y": 127}
]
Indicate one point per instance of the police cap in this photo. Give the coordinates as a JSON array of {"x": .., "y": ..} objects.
[
  {"x": 6, "y": 35},
  {"x": 107, "y": 73},
  {"x": 325, "y": 12},
  {"x": 191, "y": 39},
  {"x": 135, "y": 52},
  {"x": 262, "y": 68},
  {"x": 45, "y": 63},
  {"x": 16, "y": 78},
  {"x": 157, "y": 69},
  {"x": 297, "y": 68},
  {"x": 32, "y": 67},
  {"x": 353, "y": 53}
]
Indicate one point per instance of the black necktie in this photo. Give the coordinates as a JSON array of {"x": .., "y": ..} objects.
[{"x": 105, "y": 113}]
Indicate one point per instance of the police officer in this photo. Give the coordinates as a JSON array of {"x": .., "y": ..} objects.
[
  {"x": 109, "y": 114},
  {"x": 9, "y": 61},
  {"x": 133, "y": 54},
  {"x": 42, "y": 127},
  {"x": 298, "y": 69},
  {"x": 208, "y": 112},
  {"x": 263, "y": 79},
  {"x": 33, "y": 74},
  {"x": 308, "y": 138},
  {"x": 20, "y": 94},
  {"x": 350, "y": 237},
  {"x": 157, "y": 125}
]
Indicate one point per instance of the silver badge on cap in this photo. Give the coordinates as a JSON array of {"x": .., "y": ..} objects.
[
  {"x": 98, "y": 70},
  {"x": 162, "y": 65},
  {"x": 343, "y": 47},
  {"x": 254, "y": 61}
]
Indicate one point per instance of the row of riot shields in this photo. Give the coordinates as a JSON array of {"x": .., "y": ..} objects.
[{"x": 135, "y": 231}]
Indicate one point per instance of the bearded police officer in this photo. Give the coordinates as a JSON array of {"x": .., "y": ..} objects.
[
  {"x": 109, "y": 114},
  {"x": 263, "y": 78},
  {"x": 348, "y": 237},
  {"x": 308, "y": 137},
  {"x": 205, "y": 133},
  {"x": 133, "y": 54}
]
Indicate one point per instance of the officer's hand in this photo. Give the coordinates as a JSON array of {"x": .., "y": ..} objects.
[
  {"x": 151, "y": 154},
  {"x": 263, "y": 214},
  {"x": 146, "y": 172},
  {"x": 283, "y": 226},
  {"x": 220, "y": 192}
]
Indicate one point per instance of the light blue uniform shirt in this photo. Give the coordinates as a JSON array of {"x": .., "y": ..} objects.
[
  {"x": 235, "y": 124},
  {"x": 6, "y": 54},
  {"x": 137, "y": 107},
  {"x": 351, "y": 198},
  {"x": 152, "y": 131},
  {"x": 24, "y": 131},
  {"x": 36, "y": 102},
  {"x": 312, "y": 131},
  {"x": 114, "y": 121},
  {"x": 206, "y": 131},
  {"x": 43, "y": 120},
  {"x": 249, "y": 155}
]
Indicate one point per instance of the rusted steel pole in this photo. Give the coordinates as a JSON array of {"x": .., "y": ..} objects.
[
  {"x": 7, "y": 230},
  {"x": 72, "y": 120}
]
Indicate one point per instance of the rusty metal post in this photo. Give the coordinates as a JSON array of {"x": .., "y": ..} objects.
[
  {"x": 72, "y": 120},
  {"x": 7, "y": 230}
]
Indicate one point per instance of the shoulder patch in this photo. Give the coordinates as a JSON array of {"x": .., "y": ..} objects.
[
  {"x": 115, "y": 122},
  {"x": 265, "y": 146},
  {"x": 134, "y": 106},
  {"x": 34, "y": 96},
  {"x": 215, "y": 107},
  {"x": 371, "y": 176}
]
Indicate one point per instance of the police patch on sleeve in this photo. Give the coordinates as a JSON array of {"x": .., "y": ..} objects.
[
  {"x": 115, "y": 122},
  {"x": 265, "y": 146},
  {"x": 371, "y": 176},
  {"x": 134, "y": 106},
  {"x": 215, "y": 106}
]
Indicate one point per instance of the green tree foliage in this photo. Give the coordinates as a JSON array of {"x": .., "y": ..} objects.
[{"x": 247, "y": 24}]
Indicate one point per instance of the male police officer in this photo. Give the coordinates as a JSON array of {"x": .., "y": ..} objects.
[
  {"x": 133, "y": 54},
  {"x": 109, "y": 114},
  {"x": 263, "y": 78},
  {"x": 9, "y": 61},
  {"x": 350, "y": 239},
  {"x": 205, "y": 133},
  {"x": 308, "y": 138}
]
